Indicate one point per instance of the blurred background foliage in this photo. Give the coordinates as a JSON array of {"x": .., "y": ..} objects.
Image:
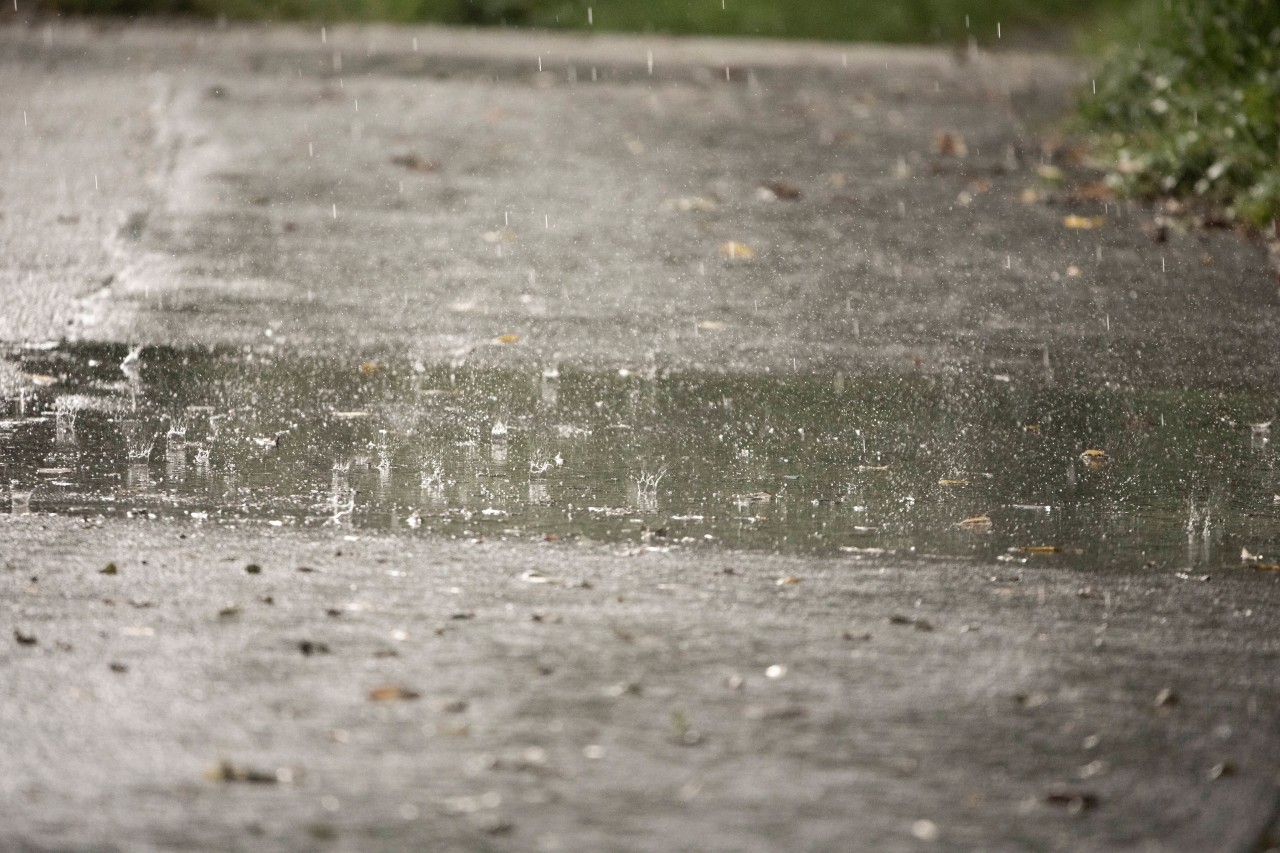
[
  {"x": 838, "y": 20},
  {"x": 1188, "y": 105},
  {"x": 1187, "y": 99}
]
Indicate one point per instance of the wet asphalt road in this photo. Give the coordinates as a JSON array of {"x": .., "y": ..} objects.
[{"x": 355, "y": 199}]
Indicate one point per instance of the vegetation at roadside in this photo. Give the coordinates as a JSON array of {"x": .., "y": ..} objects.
[
  {"x": 901, "y": 21},
  {"x": 1188, "y": 105}
]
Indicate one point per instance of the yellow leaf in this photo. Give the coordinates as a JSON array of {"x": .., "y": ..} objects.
[
  {"x": 1052, "y": 174},
  {"x": 733, "y": 250},
  {"x": 1094, "y": 458},
  {"x": 508, "y": 339},
  {"x": 1071, "y": 220},
  {"x": 1041, "y": 549},
  {"x": 787, "y": 581}
]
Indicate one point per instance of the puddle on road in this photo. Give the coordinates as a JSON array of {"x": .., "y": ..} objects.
[{"x": 799, "y": 464}]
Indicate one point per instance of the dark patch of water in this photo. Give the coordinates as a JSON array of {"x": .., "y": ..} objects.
[{"x": 802, "y": 463}]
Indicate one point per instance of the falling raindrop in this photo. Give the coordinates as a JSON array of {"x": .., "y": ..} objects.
[
  {"x": 650, "y": 60},
  {"x": 324, "y": 36},
  {"x": 415, "y": 44},
  {"x": 998, "y": 34},
  {"x": 590, "y": 18},
  {"x": 335, "y": 211}
]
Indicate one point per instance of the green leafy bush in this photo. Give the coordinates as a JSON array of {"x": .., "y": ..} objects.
[{"x": 1191, "y": 106}]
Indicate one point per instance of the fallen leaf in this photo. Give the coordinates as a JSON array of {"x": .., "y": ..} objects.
[
  {"x": 1071, "y": 220},
  {"x": 392, "y": 693},
  {"x": 950, "y": 144},
  {"x": 954, "y": 483},
  {"x": 786, "y": 581},
  {"x": 1166, "y": 698},
  {"x": 253, "y": 569},
  {"x": 1096, "y": 191},
  {"x": 42, "y": 379},
  {"x": 977, "y": 523},
  {"x": 1094, "y": 459},
  {"x": 733, "y": 250},
  {"x": 508, "y": 339},
  {"x": 696, "y": 202},
  {"x": 782, "y": 190},
  {"x": 711, "y": 325},
  {"x": 1040, "y": 549},
  {"x": 225, "y": 771},
  {"x": 1050, "y": 174},
  {"x": 414, "y": 163},
  {"x": 371, "y": 368},
  {"x": 109, "y": 569},
  {"x": 309, "y": 648},
  {"x": 24, "y": 639},
  {"x": 1075, "y": 802},
  {"x": 1073, "y": 271},
  {"x": 1030, "y": 195},
  {"x": 916, "y": 622}
]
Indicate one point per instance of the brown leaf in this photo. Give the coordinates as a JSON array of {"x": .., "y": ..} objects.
[
  {"x": 1072, "y": 220},
  {"x": 977, "y": 523},
  {"x": 950, "y": 144},
  {"x": 392, "y": 693},
  {"x": 783, "y": 190},
  {"x": 414, "y": 163},
  {"x": 225, "y": 771}
]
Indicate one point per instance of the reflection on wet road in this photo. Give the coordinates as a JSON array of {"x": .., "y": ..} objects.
[{"x": 1001, "y": 471}]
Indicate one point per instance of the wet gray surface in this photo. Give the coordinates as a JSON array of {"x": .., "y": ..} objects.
[{"x": 884, "y": 595}]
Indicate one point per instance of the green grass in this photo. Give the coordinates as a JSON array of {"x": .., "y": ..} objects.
[
  {"x": 1188, "y": 105},
  {"x": 900, "y": 21}
]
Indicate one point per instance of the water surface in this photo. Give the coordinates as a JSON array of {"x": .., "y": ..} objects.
[{"x": 992, "y": 468}]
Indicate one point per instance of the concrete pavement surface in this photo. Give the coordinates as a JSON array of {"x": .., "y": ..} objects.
[{"x": 522, "y": 200}]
